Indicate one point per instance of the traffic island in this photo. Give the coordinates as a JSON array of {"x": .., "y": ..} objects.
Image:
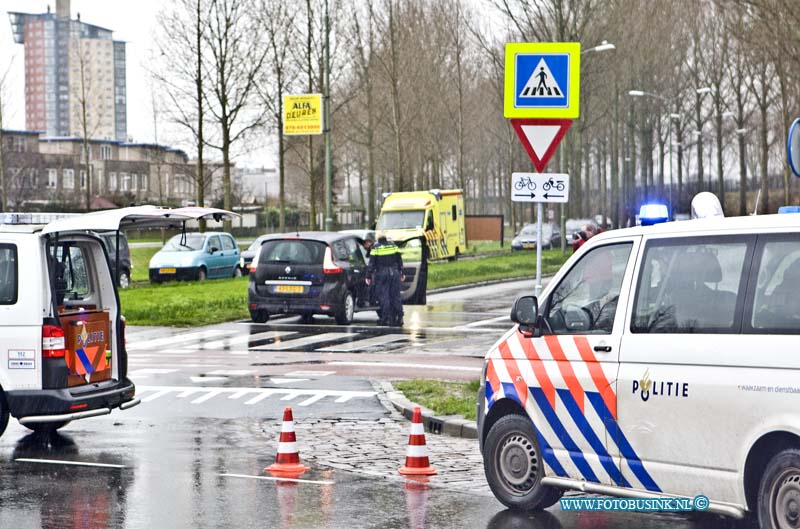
[{"x": 453, "y": 425}]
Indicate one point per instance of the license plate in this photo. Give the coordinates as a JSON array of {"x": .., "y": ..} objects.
[
  {"x": 289, "y": 289},
  {"x": 529, "y": 245},
  {"x": 166, "y": 270}
]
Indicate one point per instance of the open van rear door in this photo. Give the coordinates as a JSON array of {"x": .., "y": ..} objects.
[{"x": 133, "y": 218}]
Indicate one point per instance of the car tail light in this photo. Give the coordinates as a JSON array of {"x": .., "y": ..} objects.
[
  {"x": 328, "y": 266},
  {"x": 53, "y": 342},
  {"x": 254, "y": 262},
  {"x": 122, "y": 338}
]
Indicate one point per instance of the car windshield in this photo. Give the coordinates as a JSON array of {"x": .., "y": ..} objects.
[
  {"x": 192, "y": 242},
  {"x": 399, "y": 220},
  {"x": 530, "y": 231},
  {"x": 293, "y": 251}
]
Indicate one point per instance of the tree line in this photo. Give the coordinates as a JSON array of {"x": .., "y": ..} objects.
[{"x": 696, "y": 95}]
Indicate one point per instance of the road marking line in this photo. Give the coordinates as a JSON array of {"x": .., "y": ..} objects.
[
  {"x": 62, "y": 462},
  {"x": 312, "y": 400},
  {"x": 151, "y": 371},
  {"x": 279, "y": 380},
  {"x": 375, "y": 341},
  {"x": 257, "y": 398},
  {"x": 232, "y": 372},
  {"x": 198, "y": 380},
  {"x": 410, "y": 366},
  {"x": 260, "y": 393},
  {"x": 208, "y": 396},
  {"x": 284, "y": 345},
  {"x": 155, "y": 395},
  {"x": 187, "y": 393},
  {"x": 309, "y": 373},
  {"x": 271, "y": 478}
]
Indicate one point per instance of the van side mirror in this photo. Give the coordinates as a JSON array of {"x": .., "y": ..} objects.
[{"x": 525, "y": 310}]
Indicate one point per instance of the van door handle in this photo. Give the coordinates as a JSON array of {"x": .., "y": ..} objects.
[{"x": 602, "y": 348}]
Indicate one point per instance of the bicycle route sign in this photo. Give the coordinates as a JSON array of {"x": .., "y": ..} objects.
[{"x": 539, "y": 187}]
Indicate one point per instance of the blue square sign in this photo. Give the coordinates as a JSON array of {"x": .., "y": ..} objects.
[{"x": 541, "y": 80}]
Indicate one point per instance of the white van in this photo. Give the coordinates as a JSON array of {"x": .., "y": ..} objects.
[
  {"x": 661, "y": 361},
  {"x": 62, "y": 336}
]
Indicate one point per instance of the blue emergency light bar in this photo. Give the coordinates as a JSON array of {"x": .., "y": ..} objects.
[
  {"x": 650, "y": 214},
  {"x": 789, "y": 209}
]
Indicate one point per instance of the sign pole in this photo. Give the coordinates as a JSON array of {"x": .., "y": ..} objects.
[{"x": 538, "y": 288}]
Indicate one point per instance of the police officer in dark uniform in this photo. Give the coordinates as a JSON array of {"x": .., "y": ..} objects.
[{"x": 385, "y": 270}]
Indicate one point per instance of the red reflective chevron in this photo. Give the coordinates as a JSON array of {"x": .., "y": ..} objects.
[
  {"x": 539, "y": 371},
  {"x": 567, "y": 372},
  {"x": 598, "y": 376}
]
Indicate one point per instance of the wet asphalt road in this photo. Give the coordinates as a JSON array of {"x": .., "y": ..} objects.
[{"x": 192, "y": 455}]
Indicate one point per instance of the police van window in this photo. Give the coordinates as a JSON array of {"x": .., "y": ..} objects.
[
  {"x": 227, "y": 243},
  {"x": 776, "y": 303},
  {"x": 8, "y": 274},
  {"x": 690, "y": 287},
  {"x": 585, "y": 302}
]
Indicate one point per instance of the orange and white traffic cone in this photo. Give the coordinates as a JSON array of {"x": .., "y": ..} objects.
[
  {"x": 287, "y": 460},
  {"x": 417, "y": 463}
]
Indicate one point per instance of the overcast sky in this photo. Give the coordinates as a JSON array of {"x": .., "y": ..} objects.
[{"x": 131, "y": 21}]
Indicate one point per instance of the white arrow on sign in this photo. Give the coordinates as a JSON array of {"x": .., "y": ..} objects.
[{"x": 539, "y": 187}]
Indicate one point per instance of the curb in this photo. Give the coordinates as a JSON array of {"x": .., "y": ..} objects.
[
  {"x": 483, "y": 284},
  {"x": 453, "y": 425}
]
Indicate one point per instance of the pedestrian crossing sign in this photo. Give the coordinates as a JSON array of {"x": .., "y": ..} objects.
[{"x": 542, "y": 80}]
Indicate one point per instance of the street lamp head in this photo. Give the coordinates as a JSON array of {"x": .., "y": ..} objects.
[
  {"x": 697, "y": 133},
  {"x": 705, "y": 90},
  {"x": 676, "y": 116},
  {"x": 636, "y": 93},
  {"x": 603, "y": 46},
  {"x": 741, "y": 131}
]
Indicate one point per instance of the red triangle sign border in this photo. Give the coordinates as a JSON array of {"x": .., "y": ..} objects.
[{"x": 540, "y": 163}]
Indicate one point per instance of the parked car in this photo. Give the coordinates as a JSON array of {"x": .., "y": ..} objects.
[
  {"x": 196, "y": 256},
  {"x": 309, "y": 273},
  {"x": 109, "y": 238},
  {"x": 247, "y": 256},
  {"x": 526, "y": 238}
]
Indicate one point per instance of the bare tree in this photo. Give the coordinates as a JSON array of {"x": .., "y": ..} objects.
[
  {"x": 279, "y": 34},
  {"x": 234, "y": 61},
  {"x": 180, "y": 72},
  {"x": 3, "y": 184}
]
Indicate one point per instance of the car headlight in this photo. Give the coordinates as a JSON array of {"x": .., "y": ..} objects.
[{"x": 414, "y": 243}]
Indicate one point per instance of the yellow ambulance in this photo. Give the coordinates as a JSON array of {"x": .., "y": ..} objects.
[{"x": 425, "y": 225}]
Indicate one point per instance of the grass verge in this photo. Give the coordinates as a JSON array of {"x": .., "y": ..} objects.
[
  {"x": 186, "y": 303},
  {"x": 510, "y": 265},
  {"x": 444, "y": 398}
]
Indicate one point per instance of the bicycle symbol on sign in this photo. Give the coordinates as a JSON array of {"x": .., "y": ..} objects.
[
  {"x": 525, "y": 182},
  {"x": 550, "y": 184}
]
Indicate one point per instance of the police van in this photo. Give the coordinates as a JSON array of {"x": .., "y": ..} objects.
[
  {"x": 660, "y": 361},
  {"x": 62, "y": 335}
]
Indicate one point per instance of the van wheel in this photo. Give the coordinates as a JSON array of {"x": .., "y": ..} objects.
[
  {"x": 344, "y": 314},
  {"x": 514, "y": 466},
  {"x": 259, "y": 316},
  {"x": 237, "y": 272},
  {"x": 779, "y": 491},
  {"x": 46, "y": 427},
  {"x": 201, "y": 274},
  {"x": 124, "y": 279}
]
